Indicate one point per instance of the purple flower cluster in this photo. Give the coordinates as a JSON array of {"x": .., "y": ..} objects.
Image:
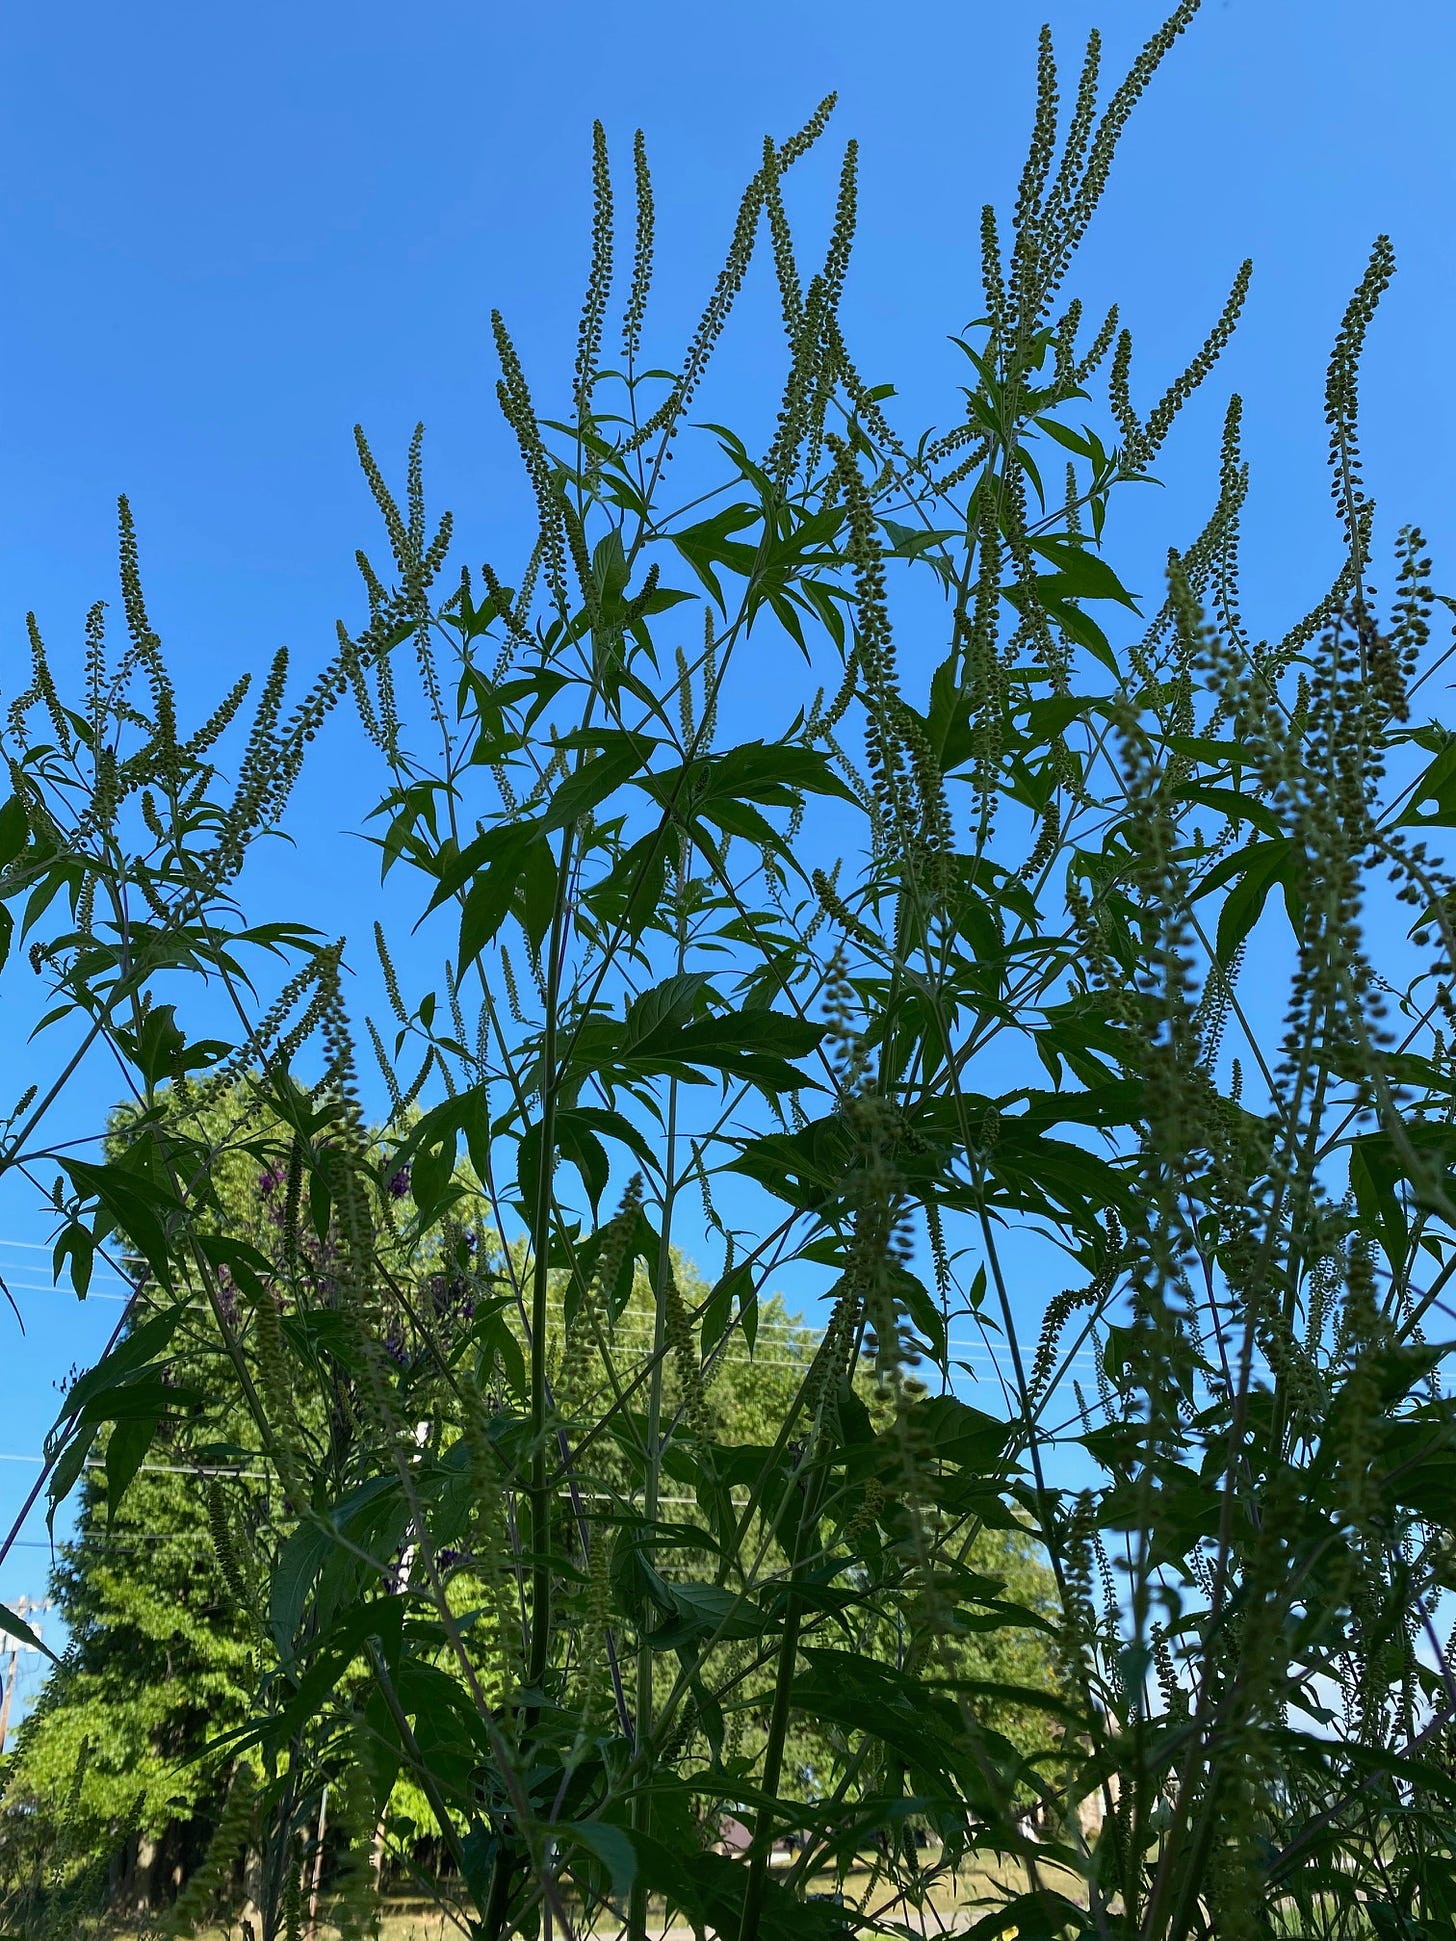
[
  {"x": 451, "y": 1297},
  {"x": 398, "y": 1572},
  {"x": 274, "y": 1209}
]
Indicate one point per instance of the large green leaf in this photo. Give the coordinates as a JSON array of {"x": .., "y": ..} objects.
[
  {"x": 16, "y": 1627},
  {"x": 745, "y": 1044},
  {"x": 917, "y": 1725},
  {"x": 131, "y": 1202},
  {"x": 489, "y": 900},
  {"x": 659, "y": 1038},
  {"x": 126, "y": 1450},
  {"x": 664, "y": 1008},
  {"x": 1080, "y": 573},
  {"x": 701, "y": 1611},
  {"x": 1433, "y": 797},
  {"x": 611, "y": 1845},
  {"x": 500, "y": 843},
  {"x": 708, "y": 1888},
  {"x": 709, "y": 545},
  {"x": 135, "y": 1359},
  {"x": 619, "y": 756}
]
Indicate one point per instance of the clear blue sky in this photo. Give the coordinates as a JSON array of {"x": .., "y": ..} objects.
[{"x": 229, "y": 234}]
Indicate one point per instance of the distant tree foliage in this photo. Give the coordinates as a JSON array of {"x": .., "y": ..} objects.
[{"x": 161, "y": 1599}]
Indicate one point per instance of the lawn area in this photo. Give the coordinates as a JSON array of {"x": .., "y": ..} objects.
[{"x": 950, "y": 1906}]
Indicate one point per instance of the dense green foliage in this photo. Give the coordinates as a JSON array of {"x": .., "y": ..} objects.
[
  {"x": 160, "y": 1600},
  {"x": 159, "y": 1664},
  {"x": 921, "y": 974}
]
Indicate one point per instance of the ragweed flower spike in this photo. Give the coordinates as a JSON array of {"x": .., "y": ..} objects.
[
  {"x": 839, "y": 912},
  {"x": 791, "y": 298},
  {"x": 599, "y": 277},
  {"x": 43, "y": 688},
  {"x": 514, "y": 397},
  {"x": 708, "y": 727},
  {"x": 797, "y": 146},
  {"x": 1079, "y": 133},
  {"x": 95, "y": 664},
  {"x": 684, "y": 1350},
  {"x": 1064, "y": 345},
  {"x": 1411, "y": 624},
  {"x": 394, "y": 520},
  {"x": 1342, "y": 407},
  {"x": 841, "y": 235},
  {"x": 993, "y": 275},
  {"x": 1097, "y": 349},
  {"x": 1196, "y": 371},
  {"x": 1026, "y": 248},
  {"x": 1083, "y": 204},
  {"x": 369, "y": 716},
  {"x": 225, "y": 1544},
  {"x": 255, "y": 1047},
  {"x": 232, "y": 1834},
  {"x": 716, "y": 312},
  {"x": 818, "y": 350},
  {"x": 684, "y": 697},
  {"x": 641, "y": 254},
  {"x": 729, "y": 282},
  {"x": 510, "y": 615},
  {"x": 218, "y": 722},
  {"x": 885, "y": 752},
  {"x": 386, "y": 1071},
  {"x": 145, "y": 641}
]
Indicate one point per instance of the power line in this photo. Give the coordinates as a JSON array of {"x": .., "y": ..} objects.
[
  {"x": 958, "y": 1350},
  {"x": 961, "y": 1349},
  {"x": 123, "y": 1539},
  {"x": 156, "y": 1468},
  {"x": 190, "y": 1538},
  {"x": 959, "y": 1346},
  {"x": 38, "y": 1247},
  {"x": 786, "y": 1325},
  {"x": 82, "y": 1300}
]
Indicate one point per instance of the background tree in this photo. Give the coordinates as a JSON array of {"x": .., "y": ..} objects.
[
  {"x": 126, "y": 1751},
  {"x": 160, "y": 1663}
]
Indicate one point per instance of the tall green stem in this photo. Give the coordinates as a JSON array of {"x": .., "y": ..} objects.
[
  {"x": 637, "y": 1903},
  {"x": 778, "y": 1725},
  {"x": 540, "y": 1494}
]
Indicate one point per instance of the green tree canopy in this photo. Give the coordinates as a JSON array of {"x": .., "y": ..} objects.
[{"x": 126, "y": 1752}]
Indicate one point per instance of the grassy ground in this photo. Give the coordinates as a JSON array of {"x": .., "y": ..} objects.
[{"x": 950, "y": 1904}]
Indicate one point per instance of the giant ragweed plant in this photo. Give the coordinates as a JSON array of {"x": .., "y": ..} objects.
[{"x": 918, "y": 972}]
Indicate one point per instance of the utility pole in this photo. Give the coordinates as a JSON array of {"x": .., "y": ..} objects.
[{"x": 24, "y": 1608}]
